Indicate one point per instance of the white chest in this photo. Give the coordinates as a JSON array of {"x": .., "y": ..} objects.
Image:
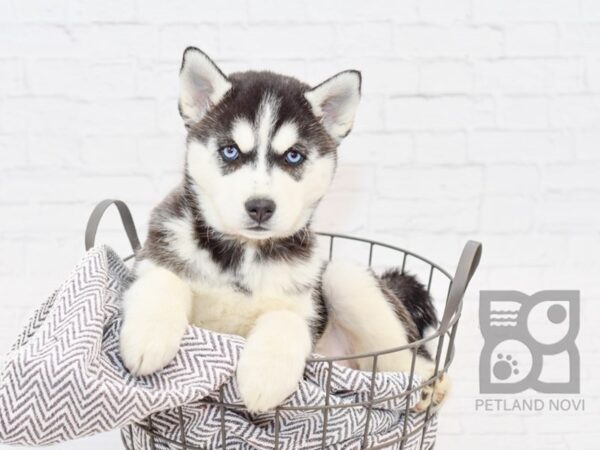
[{"x": 231, "y": 302}]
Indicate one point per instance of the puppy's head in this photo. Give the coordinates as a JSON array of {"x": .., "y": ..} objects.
[{"x": 261, "y": 146}]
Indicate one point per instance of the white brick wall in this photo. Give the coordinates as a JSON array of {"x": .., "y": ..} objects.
[{"x": 480, "y": 119}]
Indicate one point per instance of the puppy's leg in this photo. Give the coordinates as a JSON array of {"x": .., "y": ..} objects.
[
  {"x": 272, "y": 363},
  {"x": 156, "y": 309},
  {"x": 358, "y": 305}
]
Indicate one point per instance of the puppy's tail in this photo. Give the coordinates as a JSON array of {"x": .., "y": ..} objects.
[{"x": 414, "y": 297}]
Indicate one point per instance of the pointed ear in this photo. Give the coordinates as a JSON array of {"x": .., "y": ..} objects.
[
  {"x": 201, "y": 85},
  {"x": 335, "y": 101}
]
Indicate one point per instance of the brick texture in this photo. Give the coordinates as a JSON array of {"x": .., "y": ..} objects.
[{"x": 479, "y": 119}]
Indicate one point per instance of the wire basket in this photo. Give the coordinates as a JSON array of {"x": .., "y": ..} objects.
[{"x": 441, "y": 342}]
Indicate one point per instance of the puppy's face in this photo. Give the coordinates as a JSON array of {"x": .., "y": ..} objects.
[{"x": 261, "y": 146}]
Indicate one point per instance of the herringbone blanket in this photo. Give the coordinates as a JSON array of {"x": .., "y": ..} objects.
[{"x": 64, "y": 379}]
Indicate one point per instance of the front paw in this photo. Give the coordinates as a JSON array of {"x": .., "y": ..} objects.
[
  {"x": 148, "y": 347},
  {"x": 265, "y": 380}
]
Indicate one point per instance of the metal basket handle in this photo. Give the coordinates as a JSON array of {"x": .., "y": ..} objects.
[
  {"x": 126, "y": 218},
  {"x": 469, "y": 260}
]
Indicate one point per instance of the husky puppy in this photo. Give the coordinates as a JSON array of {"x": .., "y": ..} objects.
[{"x": 231, "y": 249}]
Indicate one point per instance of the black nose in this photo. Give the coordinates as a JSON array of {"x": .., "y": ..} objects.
[{"x": 260, "y": 209}]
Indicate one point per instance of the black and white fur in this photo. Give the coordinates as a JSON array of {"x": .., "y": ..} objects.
[{"x": 213, "y": 261}]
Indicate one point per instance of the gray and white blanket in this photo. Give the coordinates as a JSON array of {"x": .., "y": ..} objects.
[{"x": 64, "y": 379}]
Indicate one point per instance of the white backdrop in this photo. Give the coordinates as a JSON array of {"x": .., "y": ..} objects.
[{"x": 479, "y": 119}]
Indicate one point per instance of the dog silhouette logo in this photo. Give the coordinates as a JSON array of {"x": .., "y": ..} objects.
[{"x": 529, "y": 342}]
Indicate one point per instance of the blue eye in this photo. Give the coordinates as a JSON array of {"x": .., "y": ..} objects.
[
  {"x": 293, "y": 158},
  {"x": 229, "y": 153}
]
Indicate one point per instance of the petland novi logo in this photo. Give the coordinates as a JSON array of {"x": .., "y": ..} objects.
[{"x": 529, "y": 344}]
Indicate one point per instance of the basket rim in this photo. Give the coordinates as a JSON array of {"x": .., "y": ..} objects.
[{"x": 383, "y": 244}]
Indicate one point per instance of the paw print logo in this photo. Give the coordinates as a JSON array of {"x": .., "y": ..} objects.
[
  {"x": 510, "y": 362},
  {"x": 522, "y": 335},
  {"x": 505, "y": 367}
]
